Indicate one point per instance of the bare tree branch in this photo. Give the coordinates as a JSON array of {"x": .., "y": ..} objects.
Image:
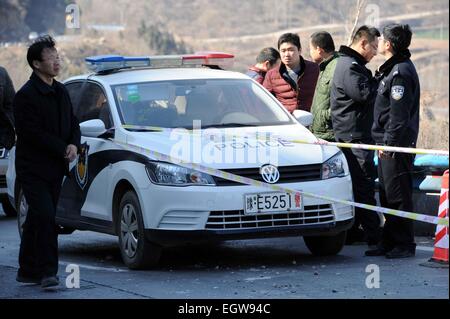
[{"x": 359, "y": 6}]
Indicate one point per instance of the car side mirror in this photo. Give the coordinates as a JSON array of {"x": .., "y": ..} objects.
[
  {"x": 92, "y": 128},
  {"x": 303, "y": 117}
]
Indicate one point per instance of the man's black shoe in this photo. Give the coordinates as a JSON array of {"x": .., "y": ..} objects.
[
  {"x": 376, "y": 252},
  {"x": 48, "y": 282},
  {"x": 398, "y": 252},
  {"x": 28, "y": 279}
]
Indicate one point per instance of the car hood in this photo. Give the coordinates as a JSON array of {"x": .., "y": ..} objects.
[{"x": 242, "y": 147}]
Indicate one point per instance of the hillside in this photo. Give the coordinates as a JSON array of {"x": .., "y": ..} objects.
[{"x": 238, "y": 27}]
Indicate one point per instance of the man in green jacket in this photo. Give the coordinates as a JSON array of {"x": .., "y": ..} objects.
[{"x": 322, "y": 51}]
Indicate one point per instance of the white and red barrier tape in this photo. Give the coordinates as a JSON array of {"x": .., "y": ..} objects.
[
  {"x": 248, "y": 181},
  {"x": 409, "y": 150}
]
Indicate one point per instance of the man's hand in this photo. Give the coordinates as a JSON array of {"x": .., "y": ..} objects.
[{"x": 71, "y": 152}]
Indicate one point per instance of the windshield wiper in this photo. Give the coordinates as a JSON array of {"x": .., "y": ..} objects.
[
  {"x": 142, "y": 130},
  {"x": 228, "y": 125}
]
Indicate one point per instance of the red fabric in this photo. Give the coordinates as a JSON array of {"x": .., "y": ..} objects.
[{"x": 286, "y": 94}]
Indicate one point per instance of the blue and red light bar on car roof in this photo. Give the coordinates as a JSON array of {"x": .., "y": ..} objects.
[{"x": 106, "y": 63}]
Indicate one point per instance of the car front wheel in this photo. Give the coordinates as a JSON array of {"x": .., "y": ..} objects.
[
  {"x": 22, "y": 211},
  {"x": 136, "y": 251},
  {"x": 325, "y": 245}
]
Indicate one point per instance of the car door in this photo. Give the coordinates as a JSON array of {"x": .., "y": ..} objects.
[{"x": 83, "y": 195}]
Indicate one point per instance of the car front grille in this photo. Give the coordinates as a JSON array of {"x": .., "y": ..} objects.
[
  {"x": 288, "y": 174},
  {"x": 235, "y": 219}
]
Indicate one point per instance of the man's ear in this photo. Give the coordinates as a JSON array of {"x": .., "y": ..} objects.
[
  {"x": 266, "y": 65},
  {"x": 36, "y": 64},
  {"x": 388, "y": 45},
  {"x": 363, "y": 43}
]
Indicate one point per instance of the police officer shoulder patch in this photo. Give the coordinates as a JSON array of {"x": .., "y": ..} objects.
[{"x": 397, "y": 92}]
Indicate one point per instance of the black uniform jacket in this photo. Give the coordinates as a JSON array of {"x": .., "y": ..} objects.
[
  {"x": 396, "y": 113},
  {"x": 45, "y": 125},
  {"x": 353, "y": 92}
]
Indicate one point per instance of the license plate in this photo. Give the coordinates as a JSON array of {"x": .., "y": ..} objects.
[{"x": 272, "y": 203}]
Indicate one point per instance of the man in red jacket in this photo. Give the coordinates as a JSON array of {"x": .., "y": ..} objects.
[
  {"x": 266, "y": 60},
  {"x": 294, "y": 82}
]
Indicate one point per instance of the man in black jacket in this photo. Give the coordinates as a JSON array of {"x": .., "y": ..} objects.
[
  {"x": 48, "y": 137},
  {"x": 7, "y": 133},
  {"x": 396, "y": 123},
  {"x": 352, "y": 96}
]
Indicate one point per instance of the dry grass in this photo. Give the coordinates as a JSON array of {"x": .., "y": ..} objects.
[{"x": 434, "y": 124}]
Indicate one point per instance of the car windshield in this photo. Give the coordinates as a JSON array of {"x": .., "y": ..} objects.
[{"x": 216, "y": 103}]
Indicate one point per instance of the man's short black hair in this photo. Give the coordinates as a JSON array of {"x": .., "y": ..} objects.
[
  {"x": 268, "y": 54},
  {"x": 323, "y": 40},
  {"x": 289, "y": 38},
  {"x": 35, "y": 50},
  {"x": 399, "y": 35},
  {"x": 369, "y": 33}
]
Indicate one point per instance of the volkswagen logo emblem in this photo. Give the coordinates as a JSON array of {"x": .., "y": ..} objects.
[{"x": 270, "y": 173}]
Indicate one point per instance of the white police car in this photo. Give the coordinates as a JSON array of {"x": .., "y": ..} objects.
[
  {"x": 132, "y": 105},
  {"x": 8, "y": 209}
]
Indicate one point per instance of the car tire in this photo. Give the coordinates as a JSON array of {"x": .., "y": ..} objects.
[
  {"x": 8, "y": 209},
  {"x": 22, "y": 211},
  {"x": 325, "y": 245},
  {"x": 137, "y": 252}
]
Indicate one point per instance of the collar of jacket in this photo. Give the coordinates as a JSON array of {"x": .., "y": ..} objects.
[
  {"x": 392, "y": 61},
  {"x": 283, "y": 69},
  {"x": 285, "y": 75},
  {"x": 352, "y": 53},
  {"x": 324, "y": 63},
  {"x": 43, "y": 87}
]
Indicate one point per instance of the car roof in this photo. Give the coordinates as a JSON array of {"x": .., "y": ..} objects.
[{"x": 166, "y": 74}]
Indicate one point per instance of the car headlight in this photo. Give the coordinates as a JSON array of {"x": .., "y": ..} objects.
[
  {"x": 335, "y": 167},
  {"x": 174, "y": 175}
]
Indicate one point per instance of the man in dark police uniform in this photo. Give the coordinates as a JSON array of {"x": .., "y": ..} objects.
[{"x": 396, "y": 123}]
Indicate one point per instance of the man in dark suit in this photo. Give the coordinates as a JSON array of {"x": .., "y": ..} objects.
[
  {"x": 353, "y": 92},
  {"x": 48, "y": 138}
]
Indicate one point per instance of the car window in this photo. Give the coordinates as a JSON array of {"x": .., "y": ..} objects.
[
  {"x": 89, "y": 102},
  {"x": 74, "y": 89},
  {"x": 213, "y": 102}
]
